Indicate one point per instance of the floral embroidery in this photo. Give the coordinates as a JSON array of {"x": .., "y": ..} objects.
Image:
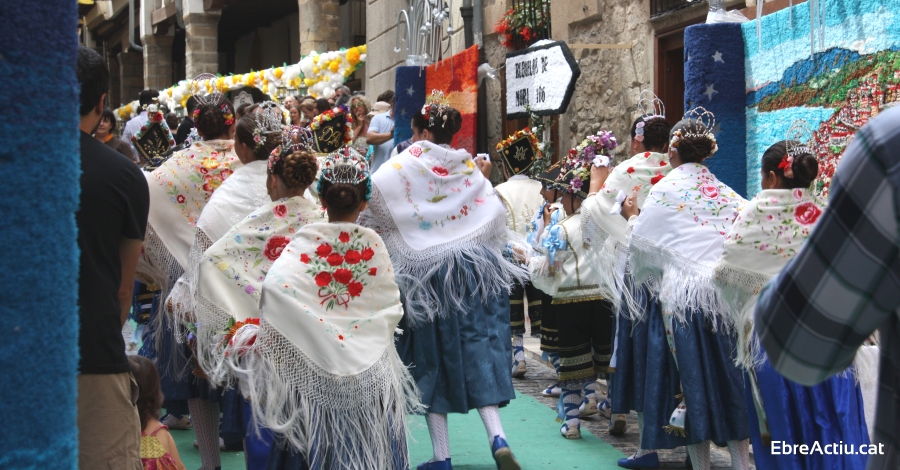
[
  {"x": 415, "y": 151},
  {"x": 190, "y": 177},
  {"x": 280, "y": 211},
  {"x": 807, "y": 213},
  {"x": 703, "y": 196},
  {"x": 776, "y": 222},
  {"x": 340, "y": 268},
  {"x": 274, "y": 246}
]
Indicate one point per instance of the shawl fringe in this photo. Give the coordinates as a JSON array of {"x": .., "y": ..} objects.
[
  {"x": 415, "y": 270},
  {"x": 326, "y": 415},
  {"x": 683, "y": 285}
]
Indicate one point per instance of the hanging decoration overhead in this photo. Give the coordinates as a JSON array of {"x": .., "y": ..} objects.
[
  {"x": 317, "y": 74},
  {"x": 421, "y": 27}
]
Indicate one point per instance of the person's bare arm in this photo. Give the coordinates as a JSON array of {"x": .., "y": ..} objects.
[
  {"x": 129, "y": 252},
  {"x": 168, "y": 443},
  {"x": 376, "y": 138}
]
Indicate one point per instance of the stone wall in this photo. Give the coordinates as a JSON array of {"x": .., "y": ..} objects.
[
  {"x": 611, "y": 79},
  {"x": 319, "y": 25},
  {"x": 157, "y": 61},
  {"x": 202, "y": 52},
  {"x": 131, "y": 75}
]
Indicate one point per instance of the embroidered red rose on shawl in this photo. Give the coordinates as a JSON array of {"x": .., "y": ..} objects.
[
  {"x": 304, "y": 258},
  {"x": 274, "y": 247},
  {"x": 323, "y": 250},
  {"x": 415, "y": 151},
  {"x": 343, "y": 276},
  {"x": 344, "y": 237},
  {"x": 280, "y": 211},
  {"x": 334, "y": 259},
  {"x": 354, "y": 289},
  {"x": 440, "y": 171},
  {"x": 352, "y": 257},
  {"x": 373, "y": 271},
  {"x": 323, "y": 279},
  {"x": 630, "y": 170},
  {"x": 807, "y": 213},
  {"x": 367, "y": 254},
  {"x": 709, "y": 191},
  {"x": 656, "y": 178},
  {"x": 180, "y": 198}
]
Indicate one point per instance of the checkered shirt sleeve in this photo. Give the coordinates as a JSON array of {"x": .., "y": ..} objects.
[{"x": 845, "y": 282}]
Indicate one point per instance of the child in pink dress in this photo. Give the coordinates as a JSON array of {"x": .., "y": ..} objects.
[{"x": 158, "y": 450}]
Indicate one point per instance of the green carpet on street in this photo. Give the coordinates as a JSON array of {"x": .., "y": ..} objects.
[{"x": 530, "y": 428}]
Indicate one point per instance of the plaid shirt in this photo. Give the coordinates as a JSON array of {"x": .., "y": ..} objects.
[{"x": 845, "y": 282}]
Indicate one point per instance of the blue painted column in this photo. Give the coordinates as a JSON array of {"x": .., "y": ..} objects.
[{"x": 714, "y": 79}]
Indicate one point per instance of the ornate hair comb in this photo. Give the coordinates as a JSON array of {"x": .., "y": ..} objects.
[
  {"x": 697, "y": 122},
  {"x": 798, "y": 135},
  {"x": 435, "y": 107},
  {"x": 293, "y": 139},
  {"x": 205, "y": 90},
  {"x": 651, "y": 106},
  {"x": 268, "y": 119},
  {"x": 346, "y": 166}
]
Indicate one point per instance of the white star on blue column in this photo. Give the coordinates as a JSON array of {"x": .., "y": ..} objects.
[
  {"x": 710, "y": 91},
  {"x": 717, "y": 57},
  {"x": 410, "y": 91}
]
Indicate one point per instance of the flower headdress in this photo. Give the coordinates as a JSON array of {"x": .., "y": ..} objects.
[
  {"x": 520, "y": 151},
  {"x": 435, "y": 108},
  {"x": 697, "y": 122},
  {"x": 651, "y": 107},
  {"x": 575, "y": 171},
  {"x": 268, "y": 118},
  {"x": 799, "y": 134},
  {"x": 346, "y": 166},
  {"x": 321, "y": 121},
  {"x": 293, "y": 139}
]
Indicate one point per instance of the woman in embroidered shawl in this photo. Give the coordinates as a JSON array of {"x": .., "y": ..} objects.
[
  {"x": 321, "y": 368},
  {"x": 240, "y": 195},
  {"x": 232, "y": 270},
  {"x": 676, "y": 240},
  {"x": 445, "y": 229},
  {"x": 179, "y": 190},
  {"x": 767, "y": 233}
]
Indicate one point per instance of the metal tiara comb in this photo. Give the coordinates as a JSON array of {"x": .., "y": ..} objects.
[
  {"x": 798, "y": 136},
  {"x": 205, "y": 90},
  {"x": 701, "y": 123},
  {"x": 269, "y": 117},
  {"x": 435, "y": 106},
  {"x": 651, "y": 106},
  {"x": 346, "y": 166}
]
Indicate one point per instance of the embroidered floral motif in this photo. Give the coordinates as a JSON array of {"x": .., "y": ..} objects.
[
  {"x": 704, "y": 197},
  {"x": 776, "y": 222},
  {"x": 339, "y": 269},
  {"x": 193, "y": 175}
]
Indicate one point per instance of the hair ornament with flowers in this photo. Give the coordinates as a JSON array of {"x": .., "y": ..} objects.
[
  {"x": 435, "y": 108},
  {"x": 293, "y": 139},
  {"x": 651, "y": 107},
  {"x": 268, "y": 118},
  {"x": 697, "y": 122},
  {"x": 798, "y": 135},
  {"x": 346, "y": 166},
  {"x": 332, "y": 114},
  {"x": 575, "y": 170}
]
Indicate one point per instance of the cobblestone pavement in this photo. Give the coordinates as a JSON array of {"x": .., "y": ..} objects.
[{"x": 540, "y": 376}]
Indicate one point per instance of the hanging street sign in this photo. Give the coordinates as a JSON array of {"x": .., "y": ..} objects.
[{"x": 541, "y": 78}]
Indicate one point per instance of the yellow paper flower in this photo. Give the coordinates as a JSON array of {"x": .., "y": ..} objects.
[
  {"x": 353, "y": 56},
  {"x": 335, "y": 66},
  {"x": 316, "y": 70},
  {"x": 278, "y": 72}
]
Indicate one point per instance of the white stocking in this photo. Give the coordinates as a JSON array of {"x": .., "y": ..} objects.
[
  {"x": 490, "y": 415},
  {"x": 440, "y": 435},
  {"x": 740, "y": 454},
  {"x": 699, "y": 455},
  {"x": 641, "y": 451}
]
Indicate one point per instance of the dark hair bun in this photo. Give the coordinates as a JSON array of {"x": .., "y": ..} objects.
[
  {"x": 695, "y": 149},
  {"x": 805, "y": 166},
  {"x": 656, "y": 132},
  {"x": 211, "y": 119},
  {"x": 299, "y": 169},
  {"x": 342, "y": 198},
  {"x": 442, "y": 131}
]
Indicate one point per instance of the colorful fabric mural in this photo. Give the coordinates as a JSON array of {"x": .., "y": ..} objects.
[
  {"x": 457, "y": 77},
  {"x": 853, "y": 75}
]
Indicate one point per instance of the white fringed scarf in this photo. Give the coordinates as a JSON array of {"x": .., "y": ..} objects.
[
  {"x": 323, "y": 370},
  {"x": 678, "y": 239},
  {"x": 606, "y": 233},
  {"x": 232, "y": 270},
  {"x": 768, "y": 232},
  {"x": 435, "y": 210}
]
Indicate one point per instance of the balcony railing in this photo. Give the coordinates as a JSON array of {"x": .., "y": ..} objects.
[
  {"x": 536, "y": 13},
  {"x": 661, "y": 7}
]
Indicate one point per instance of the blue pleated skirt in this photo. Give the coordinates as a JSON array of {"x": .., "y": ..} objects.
[
  {"x": 646, "y": 378},
  {"x": 830, "y": 413},
  {"x": 462, "y": 361},
  {"x": 713, "y": 385}
]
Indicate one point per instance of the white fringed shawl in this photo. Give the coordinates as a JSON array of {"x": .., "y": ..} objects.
[
  {"x": 605, "y": 233},
  {"x": 323, "y": 370},
  {"x": 770, "y": 229},
  {"x": 678, "y": 239},
  {"x": 232, "y": 270},
  {"x": 435, "y": 211},
  {"x": 240, "y": 195}
]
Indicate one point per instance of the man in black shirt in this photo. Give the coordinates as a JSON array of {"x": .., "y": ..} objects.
[
  {"x": 111, "y": 220},
  {"x": 184, "y": 129}
]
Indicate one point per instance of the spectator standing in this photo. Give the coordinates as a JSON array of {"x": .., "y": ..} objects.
[
  {"x": 381, "y": 132},
  {"x": 111, "y": 221},
  {"x": 184, "y": 129},
  {"x": 134, "y": 125},
  {"x": 104, "y": 133},
  {"x": 845, "y": 282}
]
